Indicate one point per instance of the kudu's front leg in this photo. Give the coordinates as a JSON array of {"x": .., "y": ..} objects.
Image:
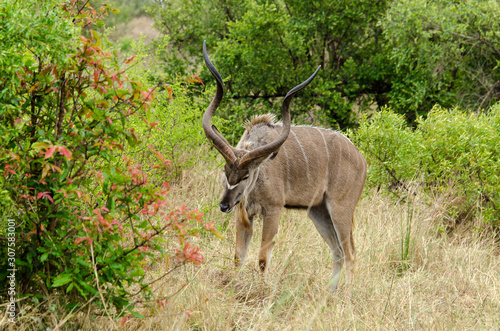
[
  {"x": 269, "y": 230},
  {"x": 243, "y": 236}
]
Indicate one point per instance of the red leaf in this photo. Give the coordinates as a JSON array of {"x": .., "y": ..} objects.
[
  {"x": 147, "y": 95},
  {"x": 130, "y": 59},
  {"x": 45, "y": 195},
  {"x": 79, "y": 240},
  {"x": 211, "y": 227},
  {"x": 65, "y": 152},
  {"x": 198, "y": 79},
  {"x": 50, "y": 152},
  {"x": 8, "y": 169}
]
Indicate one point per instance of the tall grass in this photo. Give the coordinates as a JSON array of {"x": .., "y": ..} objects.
[{"x": 409, "y": 274}]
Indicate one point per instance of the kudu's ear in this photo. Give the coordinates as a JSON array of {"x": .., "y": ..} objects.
[
  {"x": 258, "y": 161},
  {"x": 217, "y": 132},
  {"x": 274, "y": 154}
]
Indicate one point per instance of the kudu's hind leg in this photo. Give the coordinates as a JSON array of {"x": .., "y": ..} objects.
[
  {"x": 243, "y": 237},
  {"x": 342, "y": 218},
  {"x": 269, "y": 230},
  {"x": 323, "y": 222}
]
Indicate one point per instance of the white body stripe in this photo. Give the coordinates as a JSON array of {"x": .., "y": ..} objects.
[
  {"x": 340, "y": 157},
  {"x": 325, "y": 177},
  {"x": 326, "y": 146},
  {"x": 287, "y": 170},
  {"x": 303, "y": 153}
]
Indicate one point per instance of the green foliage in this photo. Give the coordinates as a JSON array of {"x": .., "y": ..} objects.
[
  {"x": 23, "y": 30},
  {"x": 450, "y": 150},
  {"x": 465, "y": 153},
  {"x": 408, "y": 55},
  {"x": 177, "y": 133},
  {"x": 124, "y": 10},
  {"x": 176, "y": 113},
  {"x": 87, "y": 217},
  {"x": 264, "y": 48},
  {"x": 445, "y": 52},
  {"x": 392, "y": 149}
]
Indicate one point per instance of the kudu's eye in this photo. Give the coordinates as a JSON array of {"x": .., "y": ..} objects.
[{"x": 246, "y": 177}]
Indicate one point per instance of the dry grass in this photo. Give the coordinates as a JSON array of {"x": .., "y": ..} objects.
[{"x": 444, "y": 282}]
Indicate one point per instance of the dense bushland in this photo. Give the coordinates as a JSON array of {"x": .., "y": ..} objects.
[
  {"x": 443, "y": 53},
  {"x": 408, "y": 55},
  {"x": 264, "y": 48},
  {"x": 451, "y": 152},
  {"x": 178, "y": 118}
]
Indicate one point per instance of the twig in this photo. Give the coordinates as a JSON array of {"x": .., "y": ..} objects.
[
  {"x": 486, "y": 97},
  {"x": 478, "y": 38},
  {"x": 158, "y": 279},
  {"x": 98, "y": 288}
]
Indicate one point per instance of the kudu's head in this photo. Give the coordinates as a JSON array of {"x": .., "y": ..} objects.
[{"x": 242, "y": 165}]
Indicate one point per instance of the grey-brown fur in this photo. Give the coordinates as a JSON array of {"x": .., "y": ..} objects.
[
  {"x": 327, "y": 180},
  {"x": 277, "y": 165}
]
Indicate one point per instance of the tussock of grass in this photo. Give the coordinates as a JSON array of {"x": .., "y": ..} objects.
[{"x": 443, "y": 281}]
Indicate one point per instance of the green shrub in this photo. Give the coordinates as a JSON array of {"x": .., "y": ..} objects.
[
  {"x": 87, "y": 218},
  {"x": 176, "y": 113},
  {"x": 391, "y": 148},
  {"x": 450, "y": 150},
  {"x": 264, "y": 48},
  {"x": 463, "y": 151},
  {"x": 444, "y": 52}
]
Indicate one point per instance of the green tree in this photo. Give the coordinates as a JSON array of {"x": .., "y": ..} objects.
[
  {"x": 262, "y": 48},
  {"x": 445, "y": 52},
  {"x": 409, "y": 55}
]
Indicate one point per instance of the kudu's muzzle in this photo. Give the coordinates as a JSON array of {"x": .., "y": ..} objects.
[{"x": 224, "y": 207}]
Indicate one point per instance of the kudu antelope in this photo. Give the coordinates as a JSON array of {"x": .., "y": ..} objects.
[{"x": 278, "y": 165}]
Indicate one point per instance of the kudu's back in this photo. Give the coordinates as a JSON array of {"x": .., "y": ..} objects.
[{"x": 312, "y": 162}]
